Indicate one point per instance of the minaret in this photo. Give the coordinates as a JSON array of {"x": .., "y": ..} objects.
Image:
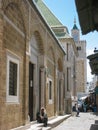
[
  {"x": 81, "y": 74},
  {"x": 75, "y": 32}
]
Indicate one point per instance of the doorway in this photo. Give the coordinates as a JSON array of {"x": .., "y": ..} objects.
[{"x": 31, "y": 90}]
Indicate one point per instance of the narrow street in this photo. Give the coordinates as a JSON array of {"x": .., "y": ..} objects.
[{"x": 83, "y": 122}]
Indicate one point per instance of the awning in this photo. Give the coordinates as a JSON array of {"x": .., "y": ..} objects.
[
  {"x": 93, "y": 61},
  {"x": 87, "y": 14},
  {"x": 83, "y": 98}
]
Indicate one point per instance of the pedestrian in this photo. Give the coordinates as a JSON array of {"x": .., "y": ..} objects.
[
  {"x": 85, "y": 106},
  {"x": 42, "y": 116},
  {"x": 75, "y": 109}
]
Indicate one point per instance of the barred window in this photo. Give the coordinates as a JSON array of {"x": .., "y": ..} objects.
[
  {"x": 12, "y": 78},
  {"x": 50, "y": 90},
  {"x": 12, "y": 92}
]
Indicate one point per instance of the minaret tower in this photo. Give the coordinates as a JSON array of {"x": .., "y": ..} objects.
[
  {"x": 81, "y": 74},
  {"x": 75, "y": 32}
]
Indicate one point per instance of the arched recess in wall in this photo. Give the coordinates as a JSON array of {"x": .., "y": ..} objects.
[
  {"x": 40, "y": 42},
  {"x": 51, "y": 61},
  {"x": 60, "y": 66},
  {"x": 60, "y": 87},
  {"x": 51, "y": 75},
  {"x": 13, "y": 13},
  {"x": 51, "y": 54},
  {"x": 21, "y": 7}
]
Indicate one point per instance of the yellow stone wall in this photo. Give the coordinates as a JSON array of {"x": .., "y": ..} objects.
[
  {"x": 18, "y": 22},
  {"x": 80, "y": 77}
]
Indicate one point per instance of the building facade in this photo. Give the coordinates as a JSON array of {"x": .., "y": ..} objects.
[
  {"x": 30, "y": 59},
  {"x": 81, "y": 65},
  {"x": 67, "y": 42},
  {"x": 35, "y": 70}
]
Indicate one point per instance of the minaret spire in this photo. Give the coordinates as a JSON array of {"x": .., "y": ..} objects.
[
  {"x": 75, "y": 26},
  {"x": 75, "y": 31},
  {"x": 74, "y": 20}
]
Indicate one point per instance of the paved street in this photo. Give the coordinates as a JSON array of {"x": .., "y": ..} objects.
[{"x": 83, "y": 122}]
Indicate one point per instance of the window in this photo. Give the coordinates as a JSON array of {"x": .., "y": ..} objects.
[
  {"x": 12, "y": 78},
  {"x": 50, "y": 91},
  {"x": 78, "y": 48}
]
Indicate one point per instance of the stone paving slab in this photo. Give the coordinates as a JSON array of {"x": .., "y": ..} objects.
[{"x": 83, "y": 122}]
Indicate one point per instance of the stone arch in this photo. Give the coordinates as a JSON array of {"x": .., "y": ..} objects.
[
  {"x": 21, "y": 9},
  {"x": 39, "y": 41},
  {"x": 51, "y": 61},
  {"x": 60, "y": 66},
  {"x": 51, "y": 54},
  {"x": 14, "y": 14}
]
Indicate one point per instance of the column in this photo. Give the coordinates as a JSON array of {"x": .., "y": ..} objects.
[
  {"x": 42, "y": 86},
  {"x": 62, "y": 94}
]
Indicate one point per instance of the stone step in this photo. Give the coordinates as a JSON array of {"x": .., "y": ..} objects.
[
  {"x": 53, "y": 123},
  {"x": 36, "y": 127},
  {"x": 39, "y": 126},
  {"x": 46, "y": 128}
]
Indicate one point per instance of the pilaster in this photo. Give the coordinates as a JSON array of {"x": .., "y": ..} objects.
[
  {"x": 42, "y": 86},
  {"x": 2, "y": 81}
]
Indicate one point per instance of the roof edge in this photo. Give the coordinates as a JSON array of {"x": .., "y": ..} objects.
[{"x": 43, "y": 19}]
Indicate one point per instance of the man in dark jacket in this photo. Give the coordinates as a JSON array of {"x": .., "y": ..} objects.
[
  {"x": 75, "y": 109},
  {"x": 42, "y": 117}
]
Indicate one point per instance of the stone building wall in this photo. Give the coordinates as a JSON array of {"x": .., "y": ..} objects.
[
  {"x": 80, "y": 75},
  {"x": 18, "y": 23},
  {"x": 14, "y": 44}
]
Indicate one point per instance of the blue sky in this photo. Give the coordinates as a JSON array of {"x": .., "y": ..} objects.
[{"x": 65, "y": 11}]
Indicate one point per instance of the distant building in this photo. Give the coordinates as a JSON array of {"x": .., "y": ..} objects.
[{"x": 81, "y": 65}]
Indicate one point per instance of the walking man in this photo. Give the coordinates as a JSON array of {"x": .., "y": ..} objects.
[{"x": 75, "y": 109}]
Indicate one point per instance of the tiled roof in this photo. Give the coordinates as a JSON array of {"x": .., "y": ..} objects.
[
  {"x": 52, "y": 20},
  {"x": 62, "y": 35},
  {"x": 49, "y": 16}
]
